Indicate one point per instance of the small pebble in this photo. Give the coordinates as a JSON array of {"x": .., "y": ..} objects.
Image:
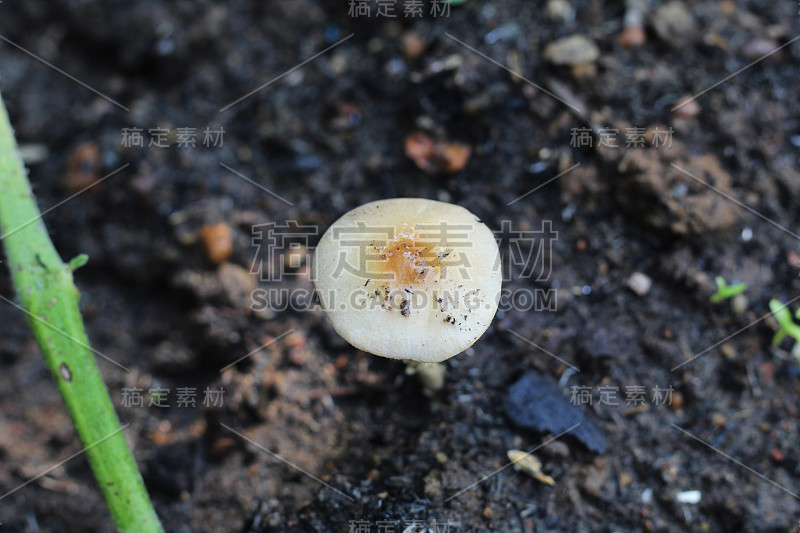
[
  {"x": 677, "y": 401},
  {"x": 560, "y": 10},
  {"x": 632, "y": 37},
  {"x": 83, "y": 169},
  {"x": 686, "y": 107},
  {"x": 413, "y": 45},
  {"x": 728, "y": 7},
  {"x": 218, "y": 242},
  {"x": 739, "y": 304},
  {"x": 33, "y": 153},
  {"x": 539, "y": 166},
  {"x": 556, "y": 450},
  {"x": 221, "y": 447},
  {"x": 668, "y": 468},
  {"x": 728, "y": 350},
  {"x": 689, "y": 496},
  {"x": 295, "y": 339},
  {"x": 456, "y": 156},
  {"x": 571, "y": 51},
  {"x": 674, "y": 23},
  {"x": 505, "y": 32},
  {"x": 435, "y": 156},
  {"x": 159, "y": 438},
  {"x": 793, "y": 259},
  {"x": 143, "y": 184},
  {"x": 295, "y": 257},
  {"x": 595, "y": 477},
  {"x": 640, "y": 283},
  {"x": 768, "y": 371},
  {"x": 237, "y": 284},
  {"x": 758, "y": 48}
]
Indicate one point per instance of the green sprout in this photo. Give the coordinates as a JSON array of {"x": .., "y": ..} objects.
[
  {"x": 784, "y": 318},
  {"x": 78, "y": 261},
  {"x": 725, "y": 291},
  {"x": 48, "y": 296}
]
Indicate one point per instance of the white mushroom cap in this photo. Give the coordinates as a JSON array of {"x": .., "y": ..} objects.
[{"x": 409, "y": 278}]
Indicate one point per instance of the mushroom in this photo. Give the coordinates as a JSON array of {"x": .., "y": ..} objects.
[{"x": 409, "y": 278}]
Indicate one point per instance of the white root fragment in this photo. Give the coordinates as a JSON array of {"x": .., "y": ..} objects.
[{"x": 530, "y": 465}]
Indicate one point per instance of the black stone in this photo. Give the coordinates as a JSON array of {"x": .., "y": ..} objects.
[{"x": 535, "y": 403}]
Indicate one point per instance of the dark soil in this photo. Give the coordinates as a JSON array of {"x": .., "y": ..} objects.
[{"x": 330, "y": 136}]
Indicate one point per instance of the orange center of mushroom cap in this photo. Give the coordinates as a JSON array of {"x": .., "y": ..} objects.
[{"x": 407, "y": 261}]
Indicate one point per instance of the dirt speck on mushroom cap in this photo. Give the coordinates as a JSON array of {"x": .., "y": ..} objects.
[{"x": 409, "y": 278}]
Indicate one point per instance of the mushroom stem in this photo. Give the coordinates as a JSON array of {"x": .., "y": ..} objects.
[{"x": 430, "y": 375}]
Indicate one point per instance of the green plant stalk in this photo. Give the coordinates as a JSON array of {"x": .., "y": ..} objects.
[{"x": 49, "y": 297}]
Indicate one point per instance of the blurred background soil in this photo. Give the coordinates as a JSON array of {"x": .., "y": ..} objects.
[{"x": 405, "y": 108}]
